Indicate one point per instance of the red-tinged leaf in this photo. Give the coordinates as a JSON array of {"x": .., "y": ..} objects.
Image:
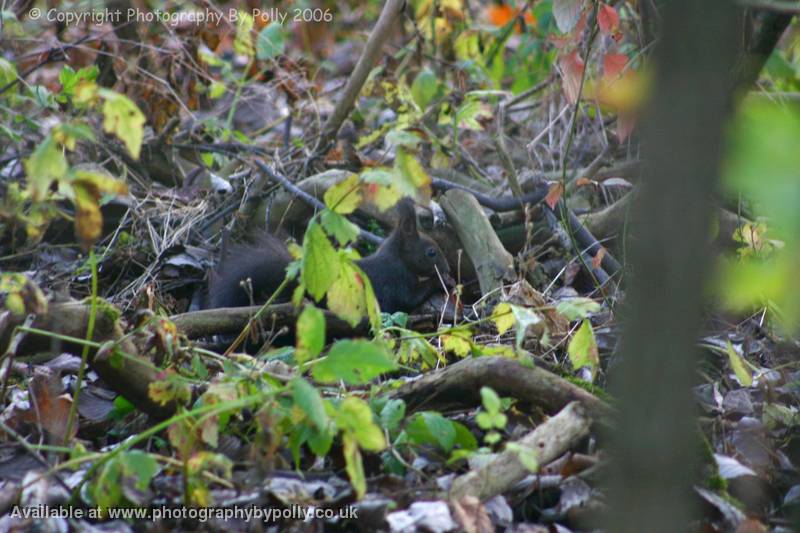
[
  {"x": 613, "y": 65},
  {"x": 597, "y": 260},
  {"x": 625, "y": 124},
  {"x": 571, "y": 74},
  {"x": 554, "y": 194},
  {"x": 607, "y": 19}
]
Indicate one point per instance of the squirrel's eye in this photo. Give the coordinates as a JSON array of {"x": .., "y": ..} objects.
[{"x": 431, "y": 252}]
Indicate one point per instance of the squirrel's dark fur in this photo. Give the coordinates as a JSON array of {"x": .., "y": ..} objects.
[{"x": 402, "y": 271}]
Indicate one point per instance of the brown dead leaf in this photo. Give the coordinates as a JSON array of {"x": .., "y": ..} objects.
[
  {"x": 554, "y": 194},
  {"x": 470, "y": 513},
  {"x": 597, "y": 260}
]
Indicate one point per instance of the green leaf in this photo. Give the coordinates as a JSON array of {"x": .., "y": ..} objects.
[
  {"x": 122, "y": 118},
  {"x": 354, "y": 417},
  {"x": 271, "y": 41},
  {"x": 490, "y": 399},
  {"x": 320, "y": 442},
  {"x": 392, "y": 414},
  {"x": 8, "y": 72},
  {"x": 45, "y": 165},
  {"x": 307, "y": 397},
  {"x": 353, "y": 361},
  {"x": 430, "y": 427},
  {"x": 402, "y": 138},
  {"x": 470, "y": 112},
  {"x": 69, "y": 79},
  {"x": 464, "y": 437},
  {"x": 582, "y": 349},
  {"x": 339, "y": 227},
  {"x": 576, "y": 308},
  {"x": 310, "y": 334},
  {"x": 321, "y": 263},
  {"x": 739, "y": 366},
  {"x": 424, "y": 88}
]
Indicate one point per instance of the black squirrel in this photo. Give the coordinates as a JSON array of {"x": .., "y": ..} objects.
[{"x": 403, "y": 270}]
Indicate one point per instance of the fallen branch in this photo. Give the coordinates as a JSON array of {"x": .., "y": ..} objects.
[
  {"x": 231, "y": 320},
  {"x": 547, "y": 442},
  {"x": 459, "y": 384},
  {"x": 492, "y": 262},
  {"x": 125, "y": 371}
]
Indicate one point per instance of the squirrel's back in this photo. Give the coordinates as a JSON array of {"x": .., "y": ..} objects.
[{"x": 263, "y": 262}]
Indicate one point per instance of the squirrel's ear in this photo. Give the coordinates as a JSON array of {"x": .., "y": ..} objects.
[{"x": 407, "y": 217}]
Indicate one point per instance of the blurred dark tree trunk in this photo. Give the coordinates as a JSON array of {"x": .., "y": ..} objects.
[{"x": 655, "y": 443}]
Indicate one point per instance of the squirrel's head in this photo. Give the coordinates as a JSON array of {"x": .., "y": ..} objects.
[{"x": 419, "y": 253}]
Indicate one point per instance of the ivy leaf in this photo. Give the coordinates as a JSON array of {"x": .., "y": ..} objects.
[
  {"x": 122, "y": 118},
  {"x": 321, "y": 263},
  {"x": 271, "y": 41},
  {"x": 310, "y": 334},
  {"x": 307, "y": 398},
  {"x": 353, "y": 361},
  {"x": 582, "y": 349}
]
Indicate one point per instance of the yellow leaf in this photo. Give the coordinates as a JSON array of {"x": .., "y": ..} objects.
[
  {"x": 739, "y": 366},
  {"x": 122, "y": 118},
  {"x": 582, "y": 349},
  {"x": 88, "y": 218},
  {"x": 243, "y": 43},
  {"x": 345, "y": 196},
  {"x": 346, "y": 296},
  {"x": 458, "y": 342},
  {"x": 503, "y": 317},
  {"x": 46, "y": 165},
  {"x": 86, "y": 94}
]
